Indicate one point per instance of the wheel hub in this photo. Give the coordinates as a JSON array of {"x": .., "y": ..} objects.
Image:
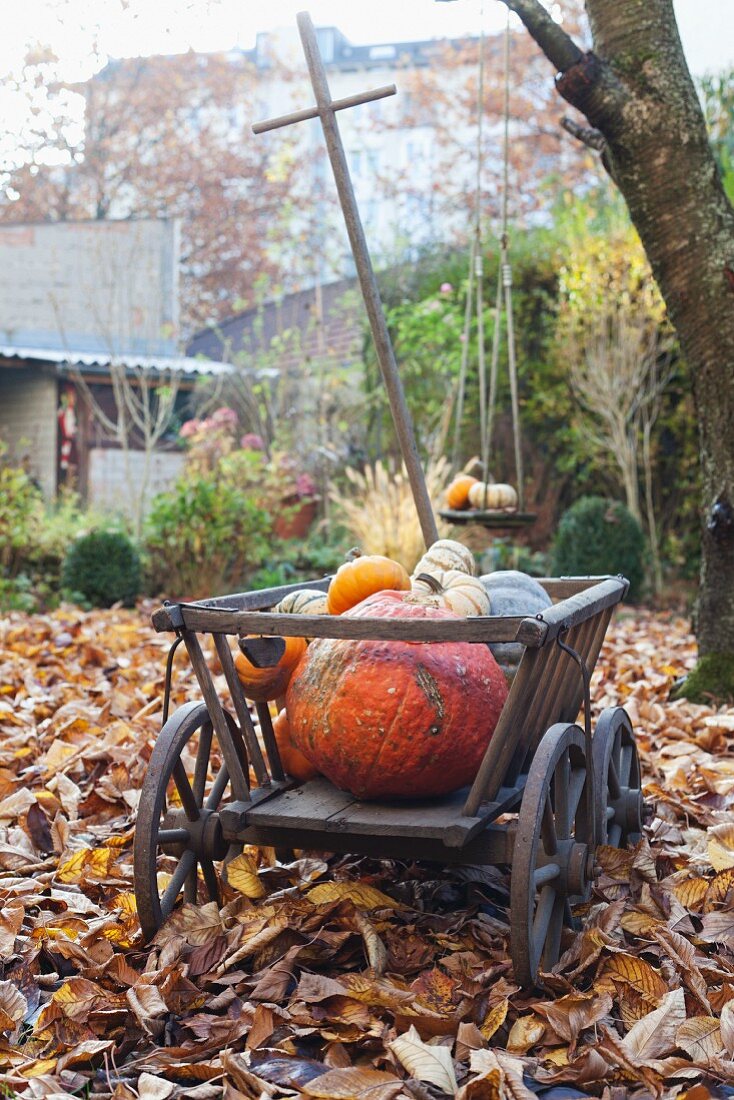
[
  {"x": 628, "y": 810},
  {"x": 206, "y": 838}
]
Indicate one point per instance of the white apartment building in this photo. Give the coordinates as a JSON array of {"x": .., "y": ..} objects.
[{"x": 412, "y": 156}]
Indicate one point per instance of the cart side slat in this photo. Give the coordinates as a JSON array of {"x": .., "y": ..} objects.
[
  {"x": 241, "y": 710},
  {"x": 508, "y": 732},
  {"x": 479, "y": 628},
  {"x": 576, "y": 609},
  {"x": 516, "y": 730},
  {"x": 560, "y": 588},
  {"x": 563, "y": 690},
  {"x": 262, "y": 598},
  {"x": 572, "y": 704},
  {"x": 238, "y": 777}
]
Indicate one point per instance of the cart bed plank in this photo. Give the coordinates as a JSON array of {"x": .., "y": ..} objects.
[{"x": 318, "y": 806}]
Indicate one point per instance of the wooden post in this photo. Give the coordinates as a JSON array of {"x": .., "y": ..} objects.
[{"x": 326, "y": 109}]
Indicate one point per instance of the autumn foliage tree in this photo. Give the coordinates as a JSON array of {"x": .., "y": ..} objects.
[
  {"x": 644, "y": 115},
  {"x": 166, "y": 136}
]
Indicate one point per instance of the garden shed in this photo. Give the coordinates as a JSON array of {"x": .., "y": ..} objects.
[{"x": 49, "y": 423}]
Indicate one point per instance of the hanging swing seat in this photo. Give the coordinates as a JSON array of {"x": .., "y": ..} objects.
[{"x": 495, "y": 518}]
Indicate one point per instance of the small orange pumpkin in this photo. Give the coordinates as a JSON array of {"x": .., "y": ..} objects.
[
  {"x": 457, "y": 494},
  {"x": 263, "y": 684},
  {"x": 362, "y": 577},
  {"x": 294, "y": 762}
]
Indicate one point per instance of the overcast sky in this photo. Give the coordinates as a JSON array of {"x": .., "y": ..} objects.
[{"x": 131, "y": 27}]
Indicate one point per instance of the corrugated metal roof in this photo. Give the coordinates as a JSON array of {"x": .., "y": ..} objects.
[{"x": 181, "y": 364}]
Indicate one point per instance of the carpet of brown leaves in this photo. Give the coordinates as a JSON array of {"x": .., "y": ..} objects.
[{"x": 342, "y": 977}]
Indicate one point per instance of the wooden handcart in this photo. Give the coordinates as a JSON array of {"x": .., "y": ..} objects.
[
  {"x": 546, "y": 794},
  {"x": 547, "y": 791}
]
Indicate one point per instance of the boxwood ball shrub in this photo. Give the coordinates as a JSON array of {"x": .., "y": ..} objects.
[
  {"x": 598, "y": 536},
  {"x": 104, "y": 568}
]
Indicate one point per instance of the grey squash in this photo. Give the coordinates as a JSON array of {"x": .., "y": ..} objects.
[{"x": 513, "y": 593}]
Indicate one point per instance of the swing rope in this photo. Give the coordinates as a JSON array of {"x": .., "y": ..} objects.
[{"x": 504, "y": 295}]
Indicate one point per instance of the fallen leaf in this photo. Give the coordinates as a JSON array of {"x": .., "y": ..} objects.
[
  {"x": 360, "y": 894},
  {"x": 655, "y": 1034},
  {"x": 345, "y": 1084},
  {"x": 424, "y": 1062}
]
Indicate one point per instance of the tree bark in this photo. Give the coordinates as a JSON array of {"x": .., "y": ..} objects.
[{"x": 636, "y": 90}]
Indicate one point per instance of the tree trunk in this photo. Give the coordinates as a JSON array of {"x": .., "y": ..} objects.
[{"x": 636, "y": 91}]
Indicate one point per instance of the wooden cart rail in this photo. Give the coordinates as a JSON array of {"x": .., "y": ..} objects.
[{"x": 239, "y": 615}]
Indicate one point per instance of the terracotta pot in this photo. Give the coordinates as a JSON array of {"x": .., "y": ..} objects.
[{"x": 295, "y": 524}]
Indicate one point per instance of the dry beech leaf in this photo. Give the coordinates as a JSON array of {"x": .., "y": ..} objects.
[
  {"x": 726, "y": 1024},
  {"x": 525, "y": 1033},
  {"x": 424, "y": 1062},
  {"x": 700, "y": 1037},
  {"x": 569, "y": 1015},
  {"x": 487, "y": 1062},
  {"x": 720, "y": 846},
  {"x": 242, "y": 875},
  {"x": 154, "y": 1088},
  {"x": 638, "y": 974},
  {"x": 13, "y": 1006},
  {"x": 494, "y": 1019},
  {"x": 356, "y": 1081},
  {"x": 655, "y": 1034},
  {"x": 361, "y": 894}
]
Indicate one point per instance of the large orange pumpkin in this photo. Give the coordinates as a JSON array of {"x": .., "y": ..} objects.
[
  {"x": 457, "y": 494},
  {"x": 293, "y": 761},
  {"x": 366, "y": 574},
  {"x": 263, "y": 684},
  {"x": 391, "y": 719}
]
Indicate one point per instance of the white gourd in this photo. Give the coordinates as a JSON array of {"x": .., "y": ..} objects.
[
  {"x": 454, "y": 590},
  {"x": 444, "y": 555},
  {"x": 304, "y": 601},
  {"x": 498, "y": 496}
]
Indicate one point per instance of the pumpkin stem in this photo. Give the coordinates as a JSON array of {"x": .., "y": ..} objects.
[
  {"x": 355, "y": 552},
  {"x": 431, "y": 582}
]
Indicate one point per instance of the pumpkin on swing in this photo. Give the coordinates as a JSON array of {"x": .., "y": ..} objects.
[{"x": 492, "y": 496}]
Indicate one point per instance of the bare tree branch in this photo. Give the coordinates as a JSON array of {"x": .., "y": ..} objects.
[
  {"x": 558, "y": 47},
  {"x": 587, "y": 134}
]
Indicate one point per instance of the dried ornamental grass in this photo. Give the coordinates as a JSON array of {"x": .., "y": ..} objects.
[{"x": 381, "y": 515}]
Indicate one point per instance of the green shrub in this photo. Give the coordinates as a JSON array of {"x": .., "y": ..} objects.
[
  {"x": 293, "y": 560},
  {"x": 599, "y": 536},
  {"x": 103, "y": 567},
  {"x": 203, "y": 537},
  {"x": 21, "y": 514}
]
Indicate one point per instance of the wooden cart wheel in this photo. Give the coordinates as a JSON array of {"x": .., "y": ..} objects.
[
  {"x": 178, "y": 829},
  {"x": 617, "y": 782},
  {"x": 551, "y": 858}
]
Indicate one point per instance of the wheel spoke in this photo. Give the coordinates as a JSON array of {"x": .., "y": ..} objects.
[
  {"x": 542, "y": 918},
  {"x": 561, "y": 792},
  {"x": 202, "y": 761},
  {"x": 576, "y": 789},
  {"x": 613, "y": 778},
  {"x": 186, "y": 795},
  {"x": 552, "y": 946},
  {"x": 615, "y": 835},
  {"x": 191, "y": 886},
  {"x": 211, "y": 880},
  {"x": 545, "y": 874},
  {"x": 215, "y": 794},
  {"x": 548, "y": 829},
  {"x": 625, "y": 764},
  {"x": 188, "y": 860}
]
